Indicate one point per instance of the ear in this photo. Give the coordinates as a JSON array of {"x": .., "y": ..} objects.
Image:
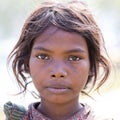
[
  {"x": 26, "y": 66},
  {"x": 27, "y": 70},
  {"x": 91, "y": 73}
]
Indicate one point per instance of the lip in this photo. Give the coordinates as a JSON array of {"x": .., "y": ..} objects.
[{"x": 58, "y": 89}]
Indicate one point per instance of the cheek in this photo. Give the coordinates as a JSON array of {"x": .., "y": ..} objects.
[
  {"x": 35, "y": 67},
  {"x": 38, "y": 72},
  {"x": 35, "y": 71},
  {"x": 81, "y": 69},
  {"x": 81, "y": 73}
]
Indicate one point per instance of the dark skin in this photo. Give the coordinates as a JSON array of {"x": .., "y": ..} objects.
[
  {"x": 59, "y": 66},
  {"x": 61, "y": 111}
]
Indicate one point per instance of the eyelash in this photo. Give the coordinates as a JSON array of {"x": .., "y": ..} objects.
[
  {"x": 74, "y": 58},
  {"x": 43, "y": 57},
  {"x": 70, "y": 58}
]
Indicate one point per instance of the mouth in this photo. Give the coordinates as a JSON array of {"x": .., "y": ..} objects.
[{"x": 57, "y": 89}]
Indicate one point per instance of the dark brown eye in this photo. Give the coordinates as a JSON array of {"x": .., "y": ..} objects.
[
  {"x": 43, "y": 56},
  {"x": 74, "y": 58}
]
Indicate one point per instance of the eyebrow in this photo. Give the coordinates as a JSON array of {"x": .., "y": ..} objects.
[
  {"x": 42, "y": 49},
  {"x": 75, "y": 50}
]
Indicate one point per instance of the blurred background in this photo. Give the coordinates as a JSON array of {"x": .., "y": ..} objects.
[{"x": 12, "y": 16}]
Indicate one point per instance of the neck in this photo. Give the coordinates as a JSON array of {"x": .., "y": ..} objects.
[{"x": 59, "y": 111}]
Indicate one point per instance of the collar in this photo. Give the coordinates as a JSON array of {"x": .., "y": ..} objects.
[{"x": 84, "y": 113}]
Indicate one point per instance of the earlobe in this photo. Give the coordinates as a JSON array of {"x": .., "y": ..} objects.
[
  {"x": 27, "y": 70},
  {"x": 91, "y": 74}
]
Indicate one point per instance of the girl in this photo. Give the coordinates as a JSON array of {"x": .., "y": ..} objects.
[{"x": 60, "y": 48}]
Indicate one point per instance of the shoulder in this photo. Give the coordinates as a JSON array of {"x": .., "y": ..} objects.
[
  {"x": 92, "y": 115},
  {"x": 13, "y": 111}
]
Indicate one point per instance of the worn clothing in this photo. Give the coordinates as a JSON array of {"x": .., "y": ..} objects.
[{"x": 15, "y": 112}]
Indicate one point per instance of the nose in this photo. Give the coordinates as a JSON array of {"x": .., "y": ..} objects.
[{"x": 58, "y": 70}]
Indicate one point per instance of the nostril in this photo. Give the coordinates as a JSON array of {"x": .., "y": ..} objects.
[
  {"x": 62, "y": 76},
  {"x": 57, "y": 76},
  {"x": 53, "y": 76}
]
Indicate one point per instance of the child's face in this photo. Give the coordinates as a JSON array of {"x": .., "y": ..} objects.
[{"x": 59, "y": 65}]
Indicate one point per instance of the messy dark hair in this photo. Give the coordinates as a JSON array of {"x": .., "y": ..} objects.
[{"x": 73, "y": 16}]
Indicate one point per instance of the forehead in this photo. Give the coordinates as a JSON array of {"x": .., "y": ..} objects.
[
  {"x": 56, "y": 39},
  {"x": 53, "y": 32},
  {"x": 49, "y": 32}
]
